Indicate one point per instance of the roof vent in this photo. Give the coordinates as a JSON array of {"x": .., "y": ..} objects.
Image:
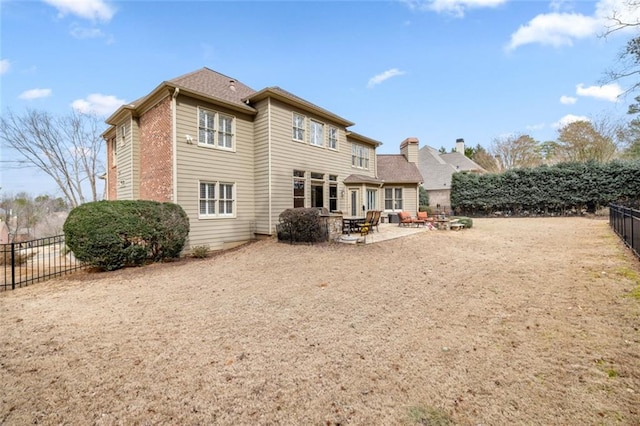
[{"x": 232, "y": 85}]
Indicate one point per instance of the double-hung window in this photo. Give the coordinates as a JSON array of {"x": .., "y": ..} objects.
[
  {"x": 360, "y": 156},
  {"x": 298, "y": 188},
  {"x": 393, "y": 198},
  {"x": 333, "y": 138},
  {"x": 316, "y": 131},
  {"x": 213, "y": 125},
  {"x": 217, "y": 199},
  {"x": 298, "y": 127}
]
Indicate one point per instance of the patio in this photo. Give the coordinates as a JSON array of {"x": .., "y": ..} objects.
[{"x": 387, "y": 231}]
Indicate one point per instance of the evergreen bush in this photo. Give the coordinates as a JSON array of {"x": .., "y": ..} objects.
[
  {"x": 302, "y": 225},
  {"x": 110, "y": 235}
]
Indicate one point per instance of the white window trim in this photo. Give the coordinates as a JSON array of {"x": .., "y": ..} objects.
[
  {"x": 216, "y": 130},
  {"x": 359, "y": 155},
  {"x": 312, "y": 133},
  {"x": 216, "y": 200},
  {"x": 330, "y": 139},
  {"x": 393, "y": 198},
  {"x": 294, "y": 127}
]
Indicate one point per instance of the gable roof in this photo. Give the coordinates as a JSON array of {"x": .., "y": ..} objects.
[
  {"x": 215, "y": 85},
  {"x": 394, "y": 168},
  {"x": 288, "y": 97},
  {"x": 204, "y": 83},
  {"x": 437, "y": 168}
]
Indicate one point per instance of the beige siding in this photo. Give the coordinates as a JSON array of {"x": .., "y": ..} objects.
[
  {"x": 288, "y": 155},
  {"x": 261, "y": 167},
  {"x": 197, "y": 163},
  {"x": 125, "y": 163},
  {"x": 135, "y": 159}
]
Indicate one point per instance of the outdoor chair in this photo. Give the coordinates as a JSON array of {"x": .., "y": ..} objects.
[
  {"x": 405, "y": 219},
  {"x": 376, "y": 220},
  {"x": 367, "y": 226}
]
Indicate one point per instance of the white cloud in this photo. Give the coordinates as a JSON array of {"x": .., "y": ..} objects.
[
  {"x": 4, "y": 66},
  {"x": 95, "y": 10},
  {"x": 538, "y": 126},
  {"x": 623, "y": 10},
  {"x": 607, "y": 92},
  {"x": 561, "y": 29},
  {"x": 97, "y": 103},
  {"x": 453, "y": 7},
  {"x": 82, "y": 32},
  {"x": 394, "y": 72},
  {"x": 555, "y": 29},
  {"x": 569, "y": 118},
  {"x": 568, "y": 100},
  {"x": 32, "y": 94}
]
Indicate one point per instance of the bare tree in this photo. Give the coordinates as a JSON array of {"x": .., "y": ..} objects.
[
  {"x": 585, "y": 140},
  {"x": 485, "y": 160},
  {"x": 625, "y": 17},
  {"x": 515, "y": 151},
  {"x": 67, "y": 148}
]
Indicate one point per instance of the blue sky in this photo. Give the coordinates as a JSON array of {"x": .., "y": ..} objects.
[{"x": 436, "y": 70}]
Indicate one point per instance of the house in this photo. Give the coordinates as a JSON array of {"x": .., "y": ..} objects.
[
  {"x": 234, "y": 158},
  {"x": 437, "y": 169}
]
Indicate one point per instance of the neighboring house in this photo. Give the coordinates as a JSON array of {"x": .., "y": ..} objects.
[
  {"x": 235, "y": 158},
  {"x": 437, "y": 169}
]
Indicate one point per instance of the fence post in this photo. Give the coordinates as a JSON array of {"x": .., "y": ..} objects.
[{"x": 13, "y": 266}]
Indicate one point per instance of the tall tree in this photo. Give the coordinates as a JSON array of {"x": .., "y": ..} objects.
[
  {"x": 582, "y": 141},
  {"x": 67, "y": 148},
  {"x": 485, "y": 160},
  {"x": 516, "y": 151}
]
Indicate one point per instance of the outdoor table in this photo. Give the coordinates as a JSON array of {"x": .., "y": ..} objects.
[{"x": 351, "y": 224}]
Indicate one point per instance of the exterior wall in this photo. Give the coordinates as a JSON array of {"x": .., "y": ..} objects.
[
  {"x": 155, "y": 178},
  {"x": 261, "y": 168},
  {"x": 288, "y": 155},
  {"x": 440, "y": 197},
  {"x": 112, "y": 172},
  {"x": 125, "y": 161},
  {"x": 197, "y": 164}
]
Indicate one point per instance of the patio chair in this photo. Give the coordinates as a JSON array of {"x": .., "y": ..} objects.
[
  {"x": 376, "y": 220},
  {"x": 367, "y": 226},
  {"x": 423, "y": 216},
  {"x": 404, "y": 218}
]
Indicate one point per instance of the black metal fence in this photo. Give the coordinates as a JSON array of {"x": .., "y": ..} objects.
[
  {"x": 625, "y": 222},
  {"x": 29, "y": 262}
]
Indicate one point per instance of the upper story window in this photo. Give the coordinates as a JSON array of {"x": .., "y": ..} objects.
[
  {"x": 333, "y": 138},
  {"x": 360, "y": 156},
  {"x": 298, "y": 127},
  {"x": 212, "y": 124},
  {"x": 316, "y": 131}
]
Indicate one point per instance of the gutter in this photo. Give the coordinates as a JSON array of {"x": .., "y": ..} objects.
[{"x": 269, "y": 160}]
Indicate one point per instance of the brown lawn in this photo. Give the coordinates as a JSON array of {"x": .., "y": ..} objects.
[{"x": 515, "y": 321}]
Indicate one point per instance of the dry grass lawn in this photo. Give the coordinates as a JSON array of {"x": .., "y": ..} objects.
[{"x": 515, "y": 321}]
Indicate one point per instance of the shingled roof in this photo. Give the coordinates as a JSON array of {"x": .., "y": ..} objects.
[
  {"x": 214, "y": 84},
  {"x": 394, "y": 168},
  {"x": 437, "y": 168}
]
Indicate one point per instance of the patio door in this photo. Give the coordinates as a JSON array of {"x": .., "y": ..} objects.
[{"x": 354, "y": 202}]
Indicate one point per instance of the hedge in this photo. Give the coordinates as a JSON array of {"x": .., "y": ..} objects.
[{"x": 110, "y": 235}]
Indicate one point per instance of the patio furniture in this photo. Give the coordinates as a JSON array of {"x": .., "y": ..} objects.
[
  {"x": 405, "y": 218},
  {"x": 367, "y": 225},
  {"x": 376, "y": 220},
  {"x": 351, "y": 224}
]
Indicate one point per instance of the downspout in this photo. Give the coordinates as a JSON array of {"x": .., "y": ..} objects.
[
  {"x": 174, "y": 145},
  {"x": 269, "y": 159}
]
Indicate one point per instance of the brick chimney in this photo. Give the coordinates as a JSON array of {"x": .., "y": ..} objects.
[
  {"x": 460, "y": 145},
  {"x": 409, "y": 148}
]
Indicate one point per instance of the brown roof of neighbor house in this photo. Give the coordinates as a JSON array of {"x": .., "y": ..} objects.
[
  {"x": 394, "y": 168},
  {"x": 362, "y": 179}
]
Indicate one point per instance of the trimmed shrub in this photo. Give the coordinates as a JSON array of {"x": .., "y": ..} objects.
[
  {"x": 110, "y": 235},
  {"x": 200, "y": 252},
  {"x": 466, "y": 221},
  {"x": 302, "y": 225}
]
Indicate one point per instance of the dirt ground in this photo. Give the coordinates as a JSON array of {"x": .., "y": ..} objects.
[{"x": 515, "y": 321}]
